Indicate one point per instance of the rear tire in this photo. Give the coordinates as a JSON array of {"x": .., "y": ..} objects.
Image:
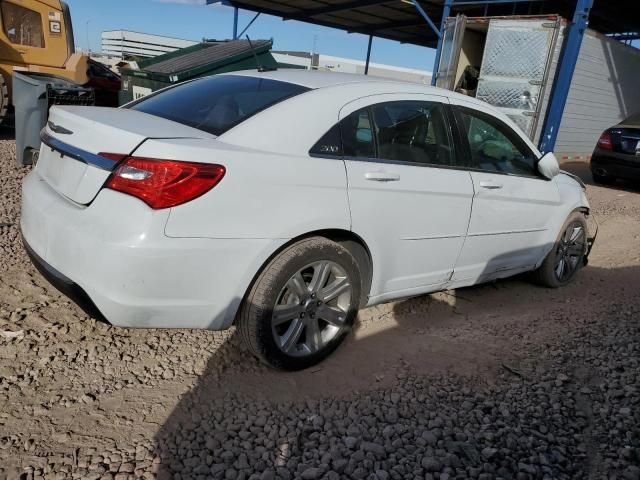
[
  {"x": 302, "y": 305},
  {"x": 30, "y": 156},
  {"x": 566, "y": 257},
  {"x": 602, "y": 180}
]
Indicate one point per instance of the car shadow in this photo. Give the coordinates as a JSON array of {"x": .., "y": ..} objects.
[{"x": 436, "y": 334}]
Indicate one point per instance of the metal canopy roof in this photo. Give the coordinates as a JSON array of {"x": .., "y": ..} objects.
[{"x": 399, "y": 19}]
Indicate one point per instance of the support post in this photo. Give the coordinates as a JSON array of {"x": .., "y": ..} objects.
[
  {"x": 566, "y": 68},
  {"x": 426, "y": 17},
  {"x": 366, "y": 66},
  {"x": 241, "y": 34},
  {"x": 235, "y": 23},
  {"x": 436, "y": 63}
]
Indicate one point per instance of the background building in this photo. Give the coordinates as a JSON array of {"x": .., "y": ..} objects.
[
  {"x": 347, "y": 65},
  {"x": 123, "y": 43}
]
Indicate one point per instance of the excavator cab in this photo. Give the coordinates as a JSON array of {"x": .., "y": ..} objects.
[
  {"x": 37, "y": 51},
  {"x": 36, "y": 36}
]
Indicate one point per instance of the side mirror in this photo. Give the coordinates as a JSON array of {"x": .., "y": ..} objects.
[{"x": 548, "y": 165}]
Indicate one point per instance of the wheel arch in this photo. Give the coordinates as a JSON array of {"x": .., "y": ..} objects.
[
  {"x": 348, "y": 239},
  {"x": 572, "y": 199},
  {"x": 558, "y": 223},
  {"x": 582, "y": 209}
]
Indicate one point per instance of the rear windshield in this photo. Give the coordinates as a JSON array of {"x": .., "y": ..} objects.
[
  {"x": 632, "y": 120},
  {"x": 216, "y": 104}
]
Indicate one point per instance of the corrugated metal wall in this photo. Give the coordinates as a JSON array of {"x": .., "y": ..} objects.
[{"x": 604, "y": 90}]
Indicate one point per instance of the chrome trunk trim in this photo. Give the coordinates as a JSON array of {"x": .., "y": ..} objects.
[{"x": 65, "y": 149}]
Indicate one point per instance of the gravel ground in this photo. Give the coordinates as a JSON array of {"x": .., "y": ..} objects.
[{"x": 505, "y": 380}]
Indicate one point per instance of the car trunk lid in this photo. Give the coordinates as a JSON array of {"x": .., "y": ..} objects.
[
  {"x": 628, "y": 140},
  {"x": 75, "y": 136}
]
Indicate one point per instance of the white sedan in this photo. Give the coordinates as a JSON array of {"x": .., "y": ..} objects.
[{"x": 282, "y": 202}]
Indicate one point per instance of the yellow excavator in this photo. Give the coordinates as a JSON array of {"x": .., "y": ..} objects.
[
  {"x": 37, "y": 36},
  {"x": 37, "y": 46}
]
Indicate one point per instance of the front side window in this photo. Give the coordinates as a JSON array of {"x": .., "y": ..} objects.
[
  {"x": 217, "y": 104},
  {"x": 22, "y": 25},
  {"x": 495, "y": 147},
  {"x": 411, "y": 131}
]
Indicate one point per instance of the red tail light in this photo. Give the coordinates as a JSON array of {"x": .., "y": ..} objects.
[
  {"x": 163, "y": 183},
  {"x": 605, "y": 142}
]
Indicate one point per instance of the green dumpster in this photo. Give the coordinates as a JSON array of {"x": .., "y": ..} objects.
[{"x": 207, "y": 58}]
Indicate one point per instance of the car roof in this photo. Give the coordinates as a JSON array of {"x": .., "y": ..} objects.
[
  {"x": 335, "y": 90},
  {"x": 312, "y": 78},
  {"x": 315, "y": 79}
]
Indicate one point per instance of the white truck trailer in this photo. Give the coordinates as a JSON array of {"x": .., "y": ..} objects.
[{"x": 516, "y": 58}]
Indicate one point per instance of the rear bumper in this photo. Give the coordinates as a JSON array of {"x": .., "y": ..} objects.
[
  {"x": 114, "y": 257},
  {"x": 616, "y": 165},
  {"x": 65, "y": 285}
]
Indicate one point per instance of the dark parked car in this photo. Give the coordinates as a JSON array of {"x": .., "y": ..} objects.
[{"x": 617, "y": 154}]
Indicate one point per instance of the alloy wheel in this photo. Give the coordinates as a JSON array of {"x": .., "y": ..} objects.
[
  {"x": 570, "y": 251},
  {"x": 311, "y": 309}
]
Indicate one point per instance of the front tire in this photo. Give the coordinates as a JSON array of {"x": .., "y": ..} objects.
[
  {"x": 566, "y": 257},
  {"x": 302, "y": 305}
]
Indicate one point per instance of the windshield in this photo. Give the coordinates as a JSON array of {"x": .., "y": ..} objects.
[{"x": 216, "y": 104}]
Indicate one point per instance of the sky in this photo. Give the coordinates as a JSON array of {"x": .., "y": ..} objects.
[{"x": 192, "y": 20}]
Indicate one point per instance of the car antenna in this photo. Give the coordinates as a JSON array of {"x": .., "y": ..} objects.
[{"x": 261, "y": 68}]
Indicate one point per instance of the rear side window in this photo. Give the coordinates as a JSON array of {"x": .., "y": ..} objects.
[
  {"x": 352, "y": 137},
  {"x": 404, "y": 131},
  {"x": 22, "y": 26},
  {"x": 330, "y": 144},
  {"x": 217, "y": 104},
  {"x": 415, "y": 132},
  {"x": 357, "y": 135}
]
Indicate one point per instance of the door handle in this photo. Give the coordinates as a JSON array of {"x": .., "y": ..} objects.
[
  {"x": 382, "y": 176},
  {"x": 490, "y": 185}
]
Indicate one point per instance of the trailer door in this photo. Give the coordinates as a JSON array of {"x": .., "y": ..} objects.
[
  {"x": 450, "y": 52},
  {"x": 515, "y": 68}
]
